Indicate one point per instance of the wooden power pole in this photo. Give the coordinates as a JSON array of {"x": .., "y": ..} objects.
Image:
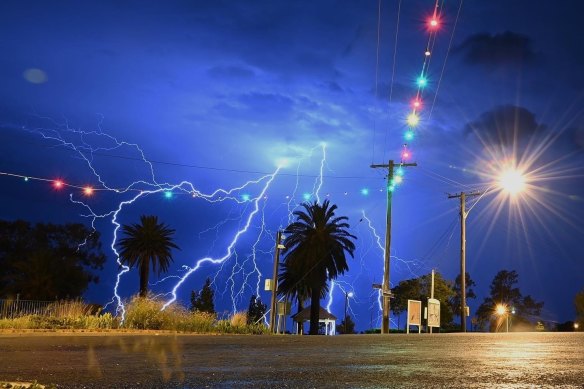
[
  {"x": 385, "y": 288},
  {"x": 463, "y": 215},
  {"x": 274, "y": 301}
]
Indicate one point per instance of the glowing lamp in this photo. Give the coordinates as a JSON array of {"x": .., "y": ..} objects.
[
  {"x": 306, "y": 196},
  {"x": 427, "y": 53},
  {"x": 512, "y": 181},
  {"x": 433, "y": 23},
  {"x": 88, "y": 191},
  {"x": 413, "y": 119},
  {"x": 400, "y": 171},
  {"x": 422, "y": 81},
  {"x": 405, "y": 154},
  {"x": 167, "y": 194},
  {"x": 364, "y": 191},
  {"x": 416, "y": 103},
  {"x": 58, "y": 184},
  {"x": 245, "y": 197},
  {"x": 26, "y": 179},
  {"x": 500, "y": 309},
  {"x": 409, "y": 135}
]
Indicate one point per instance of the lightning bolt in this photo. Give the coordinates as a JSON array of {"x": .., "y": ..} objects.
[{"x": 230, "y": 248}]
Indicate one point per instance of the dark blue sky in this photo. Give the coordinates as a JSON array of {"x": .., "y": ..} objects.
[{"x": 218, "y": 93}]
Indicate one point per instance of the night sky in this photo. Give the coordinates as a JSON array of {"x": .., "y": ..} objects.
[{"x": 219, "y": 93}]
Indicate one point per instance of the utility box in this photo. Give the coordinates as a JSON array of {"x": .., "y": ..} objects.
[
  {"x": 268, "y": 284},
  {"x": 284, "y": 308}
]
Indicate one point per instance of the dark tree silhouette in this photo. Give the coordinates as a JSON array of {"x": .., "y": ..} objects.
[
  {"x": 503, "y": 291},
  {"x": 149, "y": 242},
  {"x": 470, "y": 294},
  {"x": 256, "y": 310},
  {"x": 350, "y": 328},
  {"x": 47, "y": 261},
  {"x": 203, "y": 301},
  {"x": 315, "y": 250}
]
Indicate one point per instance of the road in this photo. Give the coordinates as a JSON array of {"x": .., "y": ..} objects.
[{"x": 521, "y": 360}]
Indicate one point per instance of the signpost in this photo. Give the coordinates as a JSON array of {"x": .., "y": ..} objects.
[{"x": 414, "y": 315}]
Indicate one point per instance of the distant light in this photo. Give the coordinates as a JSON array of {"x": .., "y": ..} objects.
[
  {"x": 245, "y": 197},
  {"x": 500, "y": 309},
  {"x": 167, "y": 194},
  {"x": 306, "y": 196},
  {"x": 350, "y": 294},
  {"x": 416, "y": 103},
  {"x": 512, "y": 181},
  {"x": 422, "y": 81},
  {"x": 58, "y": 184},
  {"x": 26, "y": 179},
  {"x": 427, "y": 53},
  {"x": 364, "y": 191},
  {"x": 433, "y": 23},
  {"x": 398, "y": 179},
  {"x": 413, "y": 119},
  {"x": 88, "y": 191},
  {"x": 405, "y": 154},
  {"x": 409, "y": 135}
]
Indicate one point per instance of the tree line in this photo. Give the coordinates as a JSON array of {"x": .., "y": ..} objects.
[{"x": 48, "y": 261}]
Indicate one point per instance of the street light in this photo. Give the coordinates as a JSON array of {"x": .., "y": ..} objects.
[
  {"x": 576, "y": 326},
  {"x": 511, "y": 181},
  {"x": 347, "y": 295},
  {"x": 502, "y": 310},
  {"x": 279, "y": 246}
]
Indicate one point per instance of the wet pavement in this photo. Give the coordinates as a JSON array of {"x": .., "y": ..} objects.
[{"x": 522, "y": 360}]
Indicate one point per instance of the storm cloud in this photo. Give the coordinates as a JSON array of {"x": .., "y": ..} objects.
[
  {"x": 504, "y": 125},
  {"x": 504, "y": 49}
]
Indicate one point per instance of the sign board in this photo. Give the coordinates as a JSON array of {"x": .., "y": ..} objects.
[
  {"x": 268, "y": 284},
  {"x": 414, "y": 315},
  {"x": 433, "y": 313}
]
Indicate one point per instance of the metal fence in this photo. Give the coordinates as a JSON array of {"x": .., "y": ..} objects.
[{"x": 12, "y": 308}]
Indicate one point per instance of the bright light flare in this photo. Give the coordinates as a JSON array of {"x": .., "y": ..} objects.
[
  {"x": 433, "y": 23},
  {"x": 58, "y": 184},
  {"x": 512, "y": 181},
  {"x": 88, "y": 191},
  {"x": 500, "y": 309},
  {"x": 413, "y": 119}
]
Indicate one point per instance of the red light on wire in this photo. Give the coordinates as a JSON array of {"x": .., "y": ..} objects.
[
  {"x": 433, "y": 23},
  {"x": 58, "y": 184},
  {"x": 416, "y": 103}
]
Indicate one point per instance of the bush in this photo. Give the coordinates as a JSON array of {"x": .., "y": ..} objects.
[{"x": 141, "y": 314}]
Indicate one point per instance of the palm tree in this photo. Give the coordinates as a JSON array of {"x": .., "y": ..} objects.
[
  {"x": 147, "y": 242},
  {"x": 315, "y": 252},
  {"x": 292, "y": 284}
]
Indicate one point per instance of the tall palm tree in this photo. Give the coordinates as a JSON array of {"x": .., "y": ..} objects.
[
  {"x": 292, "y": 284},
  {"x": 147, "y": 242},
  {"x": 315, "y": 250}
]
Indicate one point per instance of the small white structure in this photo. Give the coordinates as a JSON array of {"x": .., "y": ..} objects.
[{"x": 324, "y": 316}]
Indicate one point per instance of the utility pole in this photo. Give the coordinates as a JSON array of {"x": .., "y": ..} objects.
[
  {"x": 431, "y": 296},
  {"x": 463, "y": 215},
  {"x": 279, "y": 246},
  {"x": 385, "y": 289}
]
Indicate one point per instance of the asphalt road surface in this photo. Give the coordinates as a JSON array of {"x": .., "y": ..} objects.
[{"x": 522, "y": 360}]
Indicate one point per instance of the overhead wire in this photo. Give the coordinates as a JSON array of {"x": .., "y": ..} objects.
[{"x": 445, "y": 60}]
